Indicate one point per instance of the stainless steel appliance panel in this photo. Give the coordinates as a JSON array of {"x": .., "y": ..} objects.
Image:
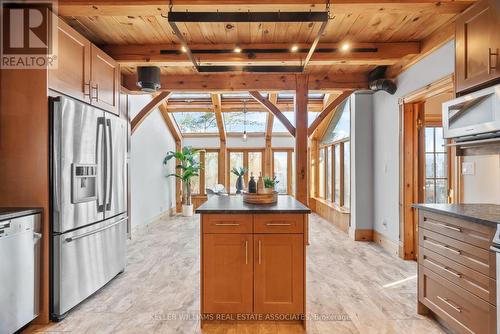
[
  {"x": 85, "y": 260},
  {"x": 473, "y": 114},
  {"x": 78, "y": 132},
  {"x": 19, "y": 272},
  {"x": 116, "y": 166}
]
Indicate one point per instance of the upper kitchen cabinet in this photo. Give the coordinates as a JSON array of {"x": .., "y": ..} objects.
[
  {"x": 105, "y": 81},
  {"x": 72, "y": 74},
  {"x": 84, "y": 71},
  {"x": 477, "y": 45}
]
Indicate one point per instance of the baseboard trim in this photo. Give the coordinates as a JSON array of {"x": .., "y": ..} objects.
[
  {"x": 387, "y": 244},
  {"x": 363, "y": 235},
  {"x": 162, "y": 215}
]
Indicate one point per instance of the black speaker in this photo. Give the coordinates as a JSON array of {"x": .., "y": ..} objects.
[{"x": 148, "y": 78}]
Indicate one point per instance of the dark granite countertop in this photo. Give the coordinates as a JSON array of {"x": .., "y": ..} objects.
[
  {"x": 479, "y": 213},
  {"x": 235, "y": 204},
  {"x": 11, "y": 213}
]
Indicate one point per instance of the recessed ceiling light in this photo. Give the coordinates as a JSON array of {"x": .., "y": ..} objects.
[
  {"x": 237, "y": 49},
  {"x": 183, "y": 49},
  {"x": 345, "y": 47},
  {"x": 294, "y": 48}
]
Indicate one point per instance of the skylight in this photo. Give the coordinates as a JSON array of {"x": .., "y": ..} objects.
[
  {"x": 241, "y": 95},
  {"x": 196, "y": 122},
  {"x": 279, "y": 127},
  {"x": 189, "y": 96},
  {"x": 234, "y": 121}
]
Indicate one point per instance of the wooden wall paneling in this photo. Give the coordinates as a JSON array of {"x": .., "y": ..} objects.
[
  {"x": 148, "y": 108},
  {"x": 338, "y": 218},
  {"x": 24, "y": 155},
  {"x": 301, "y": 139}
]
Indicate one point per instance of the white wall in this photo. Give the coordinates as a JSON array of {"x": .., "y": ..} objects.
[
  {"x": 437, "y": 65},
  {"x": 361, "y": 161},
  {"x": 152, "y": 193},
  {"x": 484, "y": 185},
  {"x": 236, "y": 141}
]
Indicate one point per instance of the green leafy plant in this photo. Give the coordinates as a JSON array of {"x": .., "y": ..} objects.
[
  {"x": 239, "y": 171},
  {"x": 270, "y": 182},
  {"x": 187, "y": 168}
]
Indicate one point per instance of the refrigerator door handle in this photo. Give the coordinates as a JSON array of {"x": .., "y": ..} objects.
[
  {"x": 101, "y": 194},
  {"x": 83, "y": 235},
  {"x": 109, "y": 165}
]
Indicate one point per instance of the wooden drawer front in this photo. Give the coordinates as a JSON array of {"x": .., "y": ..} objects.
[
  {"x": 476, "y": 258},
  {"x": 278, "y": 223},
  {"x": 474, "y": 282},
  {"x": 227, "y": 223},
  {"x": 476, "y": 234},
  {"x": 462, "y": 311}
]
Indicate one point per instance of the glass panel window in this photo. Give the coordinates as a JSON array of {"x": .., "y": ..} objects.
[
  {"x": 329, "y": 171},
  {"x": 255, "y": 121},
  {"x": 436, "y": 166},
  {"x": 347, "y": 174},
  {"x": 254, "y": 164},
  {"x": 211, "y": 169},
  {"x": 321, "y": 172},
  {"x": 278, "y": 126},
  {"x": 340, "y": 125},
  {"x": 336, "y": 197},
  {"x": 281, "y": 171},
  {"x": 235, "y": 161},
  {"x": 195, "y": 180},
  {"x": 196, "y": 122}
]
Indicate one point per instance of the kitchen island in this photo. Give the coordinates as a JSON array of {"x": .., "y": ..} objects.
[{"x": 252, "y": 259}]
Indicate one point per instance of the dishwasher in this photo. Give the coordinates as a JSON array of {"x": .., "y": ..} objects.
[{"x": 20, "y": 251}]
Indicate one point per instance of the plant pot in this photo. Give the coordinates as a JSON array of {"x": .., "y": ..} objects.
[
  {"x": 267, "y": 191},
  {"x": 239, "y": 184},
  {"x": 187, "y": 210}
]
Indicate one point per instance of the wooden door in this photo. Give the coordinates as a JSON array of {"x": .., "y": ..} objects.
[
  {"x": 279, "y": 273},
  {"x": 71, "y": 76},
  {"x": 105, "y": 87},
  {"x": 227, "y": 279},
  {"x": 478, "y": 45}
]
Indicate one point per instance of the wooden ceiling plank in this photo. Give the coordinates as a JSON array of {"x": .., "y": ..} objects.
[
  {"x": 245, "y": 82},
  {"x": 272, "y": 108},
  {"x": 217, "y": 106},
  {"x": 144, "y": 113},
  {"x": 327, "y": 110},
  {"x": 171, "y": 124}
]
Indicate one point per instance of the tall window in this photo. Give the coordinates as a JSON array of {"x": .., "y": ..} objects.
[
  {"x": 235, "y": 161},
  {"x": 329, "y": 170},
  {"x": 280, "y": 166},
  {"x": 436, "y": 166},
  {"x": 195, "y": 180},
  {"x": 338, "y": 185},
  {"x": 321, "y": 173},
  {"x": 255, "y": 164},
  {"x": 211, "y": 169},
  {"x": 251, "y": 159},
  {"x": 347, "y": 174}
]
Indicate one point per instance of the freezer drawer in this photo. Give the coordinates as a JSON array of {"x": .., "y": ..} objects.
[{"x": 85, "y": 260}]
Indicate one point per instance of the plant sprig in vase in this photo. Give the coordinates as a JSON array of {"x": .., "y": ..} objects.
[
  {"x": 239, "y": 172},
  {"x": 270, "y": 183}
]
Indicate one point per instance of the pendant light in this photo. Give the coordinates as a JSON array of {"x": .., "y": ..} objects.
[{"x": 244, "y": 120}]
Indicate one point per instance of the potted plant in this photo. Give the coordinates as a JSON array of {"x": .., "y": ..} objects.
[
  {"x": 270, "y": 183},
  {"x": 187, "y": 168},
  {"x": 239, "y": 172}
]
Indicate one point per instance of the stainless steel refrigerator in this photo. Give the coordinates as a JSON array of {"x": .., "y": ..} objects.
[{"x": 89, "y": 201}]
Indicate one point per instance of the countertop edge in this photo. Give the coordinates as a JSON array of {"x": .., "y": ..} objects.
[
  {"x": 255, "y": 211},
  {"x": 18, "y": 212},
  {"x": 456, "y": 215}
]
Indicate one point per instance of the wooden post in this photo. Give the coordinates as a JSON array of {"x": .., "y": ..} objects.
[
  {"x": 301, "y": 138},
  {"x": 223, "y": 156},
  {"x": 268, "y": 152}
]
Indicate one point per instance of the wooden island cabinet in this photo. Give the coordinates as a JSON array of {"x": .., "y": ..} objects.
[
  {"x": 252, "y": 259},
  {"x": 456, "y": 268}
]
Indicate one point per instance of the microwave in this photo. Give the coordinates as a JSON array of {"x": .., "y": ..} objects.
[{"x": 474, "y": 115}]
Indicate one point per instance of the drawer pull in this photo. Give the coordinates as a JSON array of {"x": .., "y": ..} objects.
[
  {"x": 278, "y": 224},
  {"x": 246, "y": 251},
  {"x": 227, "y": 224},
  {"x": 448, "y": 270},
  {"x": 453, "y": 228},
  {"x": 456, "y": 251},
  {"x": 260, "y": 252},
  {"x": 445, "y": 300}
]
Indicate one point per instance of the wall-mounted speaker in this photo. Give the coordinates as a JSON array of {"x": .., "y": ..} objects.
[{"x": 148, "y": 78}]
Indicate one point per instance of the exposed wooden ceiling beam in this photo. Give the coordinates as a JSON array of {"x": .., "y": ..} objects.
[
  {"x": 171, "y": 124},
  {"x": 158, "y": 7},
  {"x": 273, "y": 98},
  {"x": 272, "y": 108},
  {"x": 321, "y": 128},
  {"x": 245, "y": 82},
  {"x": 434, "y": 41},
  {"x": 154, "y": 103},
  {"x": 328, "y": 109},
  {"x": 216, "y": 102},
  {"x": 279, "y": 54}
]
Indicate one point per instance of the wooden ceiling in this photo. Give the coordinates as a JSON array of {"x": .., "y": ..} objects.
[{"x": 136, "y": 32}]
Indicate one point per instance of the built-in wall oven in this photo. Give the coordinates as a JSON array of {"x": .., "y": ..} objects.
[{"x": 473, "y": 116}]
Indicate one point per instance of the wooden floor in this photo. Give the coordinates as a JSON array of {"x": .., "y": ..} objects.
[{"x": 354, "y": 287}]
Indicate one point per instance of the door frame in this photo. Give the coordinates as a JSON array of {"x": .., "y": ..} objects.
[{"x": 411, "y": 168}]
